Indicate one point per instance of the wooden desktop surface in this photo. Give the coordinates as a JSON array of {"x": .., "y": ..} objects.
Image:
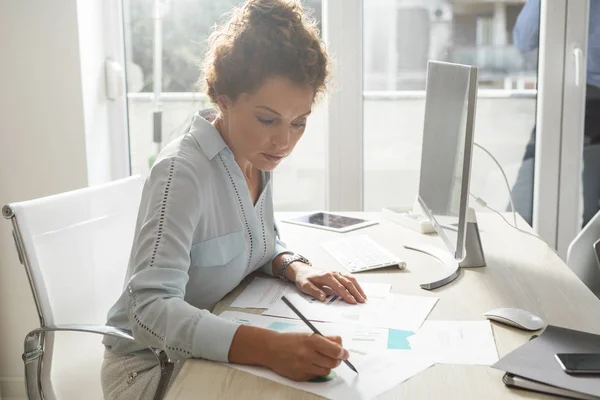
[{"x": 521, "y": 272}]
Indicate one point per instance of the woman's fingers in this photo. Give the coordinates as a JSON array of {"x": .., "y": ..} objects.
[
  {"x": 328, "y": 291},
  {"x": 333, "y": 283},
  {"x": 336, "y": 339},
  {"x": 330, "y": 279},
  {"x": 351, "y": 286},
  {"x": 356, "y": 284},
  {"x": 329, "y": 348},
  {"x": 315, "y": 371},
  {"x": 312, "y": 290},
  {"x": 325, "y": 362}
]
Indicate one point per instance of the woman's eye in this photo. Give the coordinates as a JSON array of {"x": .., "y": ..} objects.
[
  {"x": 299, "y": 124},
  {"x": 266, "y": 121}
]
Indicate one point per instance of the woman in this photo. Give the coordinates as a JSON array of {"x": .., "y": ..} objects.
[{"x": 206, "y": 217}]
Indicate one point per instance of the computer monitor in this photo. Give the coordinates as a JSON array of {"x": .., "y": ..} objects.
[{"x": 451, "y": 97}]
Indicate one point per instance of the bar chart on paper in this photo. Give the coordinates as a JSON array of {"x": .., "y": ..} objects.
[
  {"x": 456, "y": 342},
  {"x": 265, "y": 292},
  {"x": 395, "y": 311},
  {"x": 379, "y": 369},
  {"x": 365, "y": 340},
  {"x": 359, "y": 340}
]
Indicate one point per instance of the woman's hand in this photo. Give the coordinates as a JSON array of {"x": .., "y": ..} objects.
[
  {"x": 305, "y": 356},
  {"x": 318, "y": 283},
  {"x": 297, "y": 356}
]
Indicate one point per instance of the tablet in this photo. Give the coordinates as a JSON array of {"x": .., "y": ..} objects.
[
  {"x": 597, "y": 251},
  {"x": 330, "y": 221}
]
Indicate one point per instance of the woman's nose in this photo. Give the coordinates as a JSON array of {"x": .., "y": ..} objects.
[{"x": 282, "y": 138}]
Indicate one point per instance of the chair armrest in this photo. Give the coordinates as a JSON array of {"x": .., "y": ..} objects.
[
  {"x": 34, "y": 353},
  {"x": 98, "y": 329}
]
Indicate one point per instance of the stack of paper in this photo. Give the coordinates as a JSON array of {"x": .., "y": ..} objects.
[
  {"x": 394, "y": 311},
  {"x": 358, "y": 340},
  {"x": 379, "y": 370},
  {"x": 265, "y": 292},
  {"x": 385, "y": 321},
  {"x": 381, "y": 310},
  {"x": 378, "y": 373},
  {"x": 388, "y": 338}
]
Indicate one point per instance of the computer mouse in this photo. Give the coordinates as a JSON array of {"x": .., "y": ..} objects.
[{"x": 516, "y": 317}]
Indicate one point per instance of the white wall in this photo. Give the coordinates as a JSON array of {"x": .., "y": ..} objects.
[
  {"x": 107, "y": 141},
  {"x": 91, "y": 49},
  {"x": 42, "y": 147}
]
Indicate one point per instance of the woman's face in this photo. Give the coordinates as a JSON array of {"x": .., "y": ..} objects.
[{"x": 263, "y": 127}]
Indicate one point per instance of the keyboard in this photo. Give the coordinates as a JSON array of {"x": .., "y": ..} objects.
[{"x": 361, "y": 253}]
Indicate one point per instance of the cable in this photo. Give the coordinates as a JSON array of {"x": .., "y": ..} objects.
[
  {"x": 512, "y": 204},
  {"x": 482, "y": 203}
]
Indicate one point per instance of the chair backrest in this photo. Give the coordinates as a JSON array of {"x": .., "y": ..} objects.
[
  {"x": 581, "y": 255},
  {"x": 77, "y": 247},
  {"x": 591, "y": 181}
]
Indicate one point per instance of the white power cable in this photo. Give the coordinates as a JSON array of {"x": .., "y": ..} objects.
[
  {"x": 482, "y": 203},
  {"x": 512, "y": 204}
]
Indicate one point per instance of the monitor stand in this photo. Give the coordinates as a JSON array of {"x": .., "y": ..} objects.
[
  {"x": 474, "y": 257},
  {"x": 474, "y": 254},
  {"x": 451, "y": 265}
]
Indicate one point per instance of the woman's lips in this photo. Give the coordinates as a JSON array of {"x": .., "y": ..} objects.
[{"x": 273, "y": 157}]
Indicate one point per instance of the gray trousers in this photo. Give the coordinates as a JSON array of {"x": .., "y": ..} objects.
[{"x": 131, "y": 377}]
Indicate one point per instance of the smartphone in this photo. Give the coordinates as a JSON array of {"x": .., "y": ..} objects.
[
  {"x": 579, "y": 363},
  {"x": 597, "y": 251}
]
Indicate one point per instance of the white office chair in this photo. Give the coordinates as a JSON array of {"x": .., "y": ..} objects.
[
  {"x": 75, "y": 248},
  {"x": 581, "y": 255}
]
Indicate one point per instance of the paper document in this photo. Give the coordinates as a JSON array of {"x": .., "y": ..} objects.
[
  {"x": 276, "y": 324},
  {"x": 376, "y": 290},
  {"x": 378, "y": 373},
  {"x": 358, "y": 340},
  {"x": 265, "y": 292},
  {"x": 394, "y": 311},
  {"x": 361, "y": 340},
  {"x": 456, "y": 342}
]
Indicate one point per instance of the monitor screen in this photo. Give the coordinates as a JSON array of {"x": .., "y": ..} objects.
[{"x": 446, "y": 153}]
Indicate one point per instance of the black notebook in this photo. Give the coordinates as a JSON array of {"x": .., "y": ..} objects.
[
  {"x": 528, "y": 384},
  {"x": 534, "y": 367}
]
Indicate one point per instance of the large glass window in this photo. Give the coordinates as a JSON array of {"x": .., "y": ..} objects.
[
  {"x": 400, "y": 36},
  {"x": 186, "y": 24}
]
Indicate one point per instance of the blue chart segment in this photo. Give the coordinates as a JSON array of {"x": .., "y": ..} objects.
[
  {"x": 280, "y": 326},
  {"x": 398, "y": 340}
]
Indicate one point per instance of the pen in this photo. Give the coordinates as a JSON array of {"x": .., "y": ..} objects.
[{"x": 311, "y": 326}]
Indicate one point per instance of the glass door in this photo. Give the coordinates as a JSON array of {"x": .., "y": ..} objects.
[
  {"x": 579, "y": 197},
  {"x": 499, "y": 37}
]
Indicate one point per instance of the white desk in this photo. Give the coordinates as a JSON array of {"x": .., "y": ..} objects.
[{"x": 521, "y": 272}]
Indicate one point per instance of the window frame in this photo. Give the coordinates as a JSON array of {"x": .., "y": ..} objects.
[{"x": 556, "y": 209}]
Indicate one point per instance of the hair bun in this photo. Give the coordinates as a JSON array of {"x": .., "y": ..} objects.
[
  {"x": 274, "y": 12},
  {"x": 261, "y": 39}
]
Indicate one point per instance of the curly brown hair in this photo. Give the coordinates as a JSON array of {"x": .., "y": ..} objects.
[{"x": 262, "y": 39}]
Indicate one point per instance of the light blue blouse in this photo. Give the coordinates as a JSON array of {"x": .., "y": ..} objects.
[{"x": 198, "y": 234}]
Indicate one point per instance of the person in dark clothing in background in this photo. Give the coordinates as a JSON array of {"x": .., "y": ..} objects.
[{"x": 526, "y": 38}]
